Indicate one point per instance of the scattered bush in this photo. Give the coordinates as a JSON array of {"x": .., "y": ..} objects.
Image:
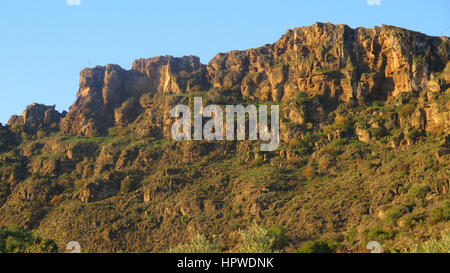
[
  {"x": 377, "y": 234},
  {"x": 377, "y": 133},
  {"x": 413, "y": 220},
  {"x": 441, "y": 214},
  {"x": 434, "y": 245},
  {"x": 198, "y": 244},
  {"x": 407, "y": 110},
  {"x": 304, "y": 146},
  {"x": 446, "y": 211},
  {"x": 414, "y": 134},
  {"x": 257, "y": 240},
  {"x": 419, "y": 191},
  {"x": 325, "y": 71},
  {"x": 15, "y": 240},
  {"x": 436, "y": 215},
  {"x": 112, "y": 132},
  {"x": 339, "y": 142},
  {"x": 280, "y": 238},
  {"x": 301, "y": 97},
  {"x": 393, "y": 214},
  {"x": 319, "y": 246},
  {"x": 342, "y": 123}
]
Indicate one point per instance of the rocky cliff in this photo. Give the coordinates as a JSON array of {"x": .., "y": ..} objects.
[
  {"x": 335, "y": 62},
  {"x": 104, "y": 89}
]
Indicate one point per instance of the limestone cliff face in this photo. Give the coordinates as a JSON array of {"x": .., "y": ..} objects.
[
  {"x": 104, "y": 89},
  {"x": 100, "y": 92},
  {"x": 173, "y": 75},
  {"x": 334, "y": 62},
  {"x": 436, "y": 109}
]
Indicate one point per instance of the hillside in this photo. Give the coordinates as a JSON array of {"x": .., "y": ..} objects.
[{"x": 364, "y": 148}]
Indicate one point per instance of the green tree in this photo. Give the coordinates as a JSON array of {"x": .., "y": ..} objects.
[
  {"x": 15, "y": 240},
  {"x": 257, "y": 240}
]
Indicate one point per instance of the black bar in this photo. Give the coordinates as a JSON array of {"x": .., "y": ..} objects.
[{"x": 225, "y": 262}]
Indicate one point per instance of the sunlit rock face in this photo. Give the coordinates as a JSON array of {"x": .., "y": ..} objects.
[{"x": 335, "y": 62}]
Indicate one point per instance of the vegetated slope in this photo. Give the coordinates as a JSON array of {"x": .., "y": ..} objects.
[{"x": 364, "y": 151}]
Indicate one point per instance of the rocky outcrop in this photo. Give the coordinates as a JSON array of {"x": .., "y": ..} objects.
[
  {"x": 334, "y": 62},
  {"x": 107, "y": 92},
  {"x": 363, "y": 134},
  {"x": 437, "y": 107},
  {"x": 37, "y": 116},
  {"x": 167, "y": 74},
  {"x": 98, "y": 190}
]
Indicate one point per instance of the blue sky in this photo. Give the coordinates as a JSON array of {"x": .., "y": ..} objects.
[{"x": 44, "y": 44}]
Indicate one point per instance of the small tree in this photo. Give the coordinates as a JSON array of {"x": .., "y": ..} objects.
[{"x": 257, "y": 240}]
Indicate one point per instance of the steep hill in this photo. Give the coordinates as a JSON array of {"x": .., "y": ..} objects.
[{"x": 364, "y": 150}]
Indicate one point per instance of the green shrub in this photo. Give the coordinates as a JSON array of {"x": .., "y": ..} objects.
[
  {"x": 339, "y": 142},
  {"x": 379, "y": 105},
  {"x": 441, "y": 214},
  {"x": 377, "y": 132},
  {"x": 414, "y": 134},
  {"x": 419, "y": 191},
  {"x": 198, "y": 244},
  {"x": 436, "y": 215},
  {"x": 393, "y": 214},
  {"x": 257, "y": 240},
  {"x": 433, "y": 245},
  {"x": 377, "y": 234},
  {"x": 319, "y": 246},
  {"x": 407, "y": 110},
  {"x": 112, "y": 132},
  {"x": 325, "y": 71},
  {"x": 446, "y": 211},
  {"x": 412, "y": 220},
  {"x": 280, "y": 238},
  {"x": 301, "y": 97},
  {"x": 15, "y": 240},
  {"x": 342, "y": 123},
  {"x": 304, "y": 146}
]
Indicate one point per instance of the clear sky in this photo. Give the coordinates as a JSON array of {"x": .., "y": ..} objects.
[{"x": 44, "y": 44}]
